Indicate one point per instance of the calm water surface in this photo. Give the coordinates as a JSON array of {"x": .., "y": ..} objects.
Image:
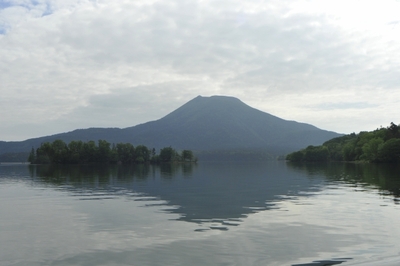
[{"x": 206, "y": 214}]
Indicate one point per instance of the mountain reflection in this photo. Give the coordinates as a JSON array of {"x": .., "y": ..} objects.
[
  {"x": 220, "y": 193},
  {"x": 213, "y": 192}
]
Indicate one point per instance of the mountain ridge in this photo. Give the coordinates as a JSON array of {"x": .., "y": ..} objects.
[{"x": 202, "y": 124}]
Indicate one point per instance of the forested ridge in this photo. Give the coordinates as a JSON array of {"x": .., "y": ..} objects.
[
  {"x": 78, "y": 152},
  {"x": 380, "y": 145}
]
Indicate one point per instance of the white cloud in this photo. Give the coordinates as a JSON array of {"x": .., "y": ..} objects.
[{"x": 78, "y": 63}]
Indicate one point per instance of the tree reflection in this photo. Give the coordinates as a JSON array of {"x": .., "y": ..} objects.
[
  {"x": 385, "y": 177},
  {"x": 106, "y": 174}
]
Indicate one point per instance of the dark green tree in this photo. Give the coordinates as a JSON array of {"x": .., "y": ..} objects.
[
  {"x": 126, "y": 152},
  {"x": 113, "y": 154},
  {"x": 371, "y": 149},
  {"x": 43, "y": 153},
  {"x": 32, "y": 156},
  {"x": 75, "y": 149},
  {"x": 393, "y": 131},
  {"x": 89, "y": 152},
  {"x": 142, "y": 154},
  {"x": 103, "y": 151},
  {"x": 187, "y": 155},
  {"x": 59, "y": 151},
  {"x": 167, "y": 154},
  {"x": 297, "y": 156},
  {"x": 316, "y": 153},
  {"x": 389, "y": 151}
]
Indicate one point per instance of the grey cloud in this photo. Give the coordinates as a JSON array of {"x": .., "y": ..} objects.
[
  {"x": 127, "y": 107},
  {"x": 312, "y": 59},
  {"x": 170, "y": 35},
  {"x": 188, "y": 39},
  {"x": 343, "y": 106},
  {"x": 102, "y": 63},
  {"x": 124, "y": 107}
]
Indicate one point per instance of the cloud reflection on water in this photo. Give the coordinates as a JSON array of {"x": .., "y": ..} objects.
[{"x": 273, "y": 215}]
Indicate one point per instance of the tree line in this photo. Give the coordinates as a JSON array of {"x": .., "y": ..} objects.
[
  {"x": 380, "y": 145},
  {"x": 78, "y": 152}
]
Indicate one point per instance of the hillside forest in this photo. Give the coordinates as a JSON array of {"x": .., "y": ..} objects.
[
  {"x": 78, "y": 152},
  {"x": 380, "y": 145}
]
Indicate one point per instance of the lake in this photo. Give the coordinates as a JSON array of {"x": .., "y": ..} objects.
[{"x": 271, "y": 213}]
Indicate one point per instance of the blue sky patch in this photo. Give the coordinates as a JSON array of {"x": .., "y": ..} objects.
[
  {"x": 48, "y": 11},
  {"x": 4, "y": 5},
  {"x": 3, "y": 28}
]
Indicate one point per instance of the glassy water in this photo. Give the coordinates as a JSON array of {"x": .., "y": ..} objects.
[{"x": 206, "y": 214}]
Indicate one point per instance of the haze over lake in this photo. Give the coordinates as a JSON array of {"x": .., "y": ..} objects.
[{"x": 271, "y": 213}]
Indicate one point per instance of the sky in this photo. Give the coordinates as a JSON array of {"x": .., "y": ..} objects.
[{"x": 73, "y": 64}]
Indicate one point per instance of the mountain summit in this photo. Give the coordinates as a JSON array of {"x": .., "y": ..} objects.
[
  {"x": 224, "y": 123},
  {"x": 216, "y": 123}
]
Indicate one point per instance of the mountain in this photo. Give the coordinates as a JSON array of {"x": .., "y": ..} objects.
[{"x": 204, "y": 124}]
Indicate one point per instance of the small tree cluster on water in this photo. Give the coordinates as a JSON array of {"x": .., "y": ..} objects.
[{"x": 78, "y": 152}]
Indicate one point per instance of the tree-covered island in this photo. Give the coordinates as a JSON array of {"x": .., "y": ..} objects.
[
  {"x": 78, "y": 152},
  {"x": 380, "y": 145}
]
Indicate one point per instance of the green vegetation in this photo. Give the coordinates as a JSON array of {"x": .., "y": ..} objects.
[
  {"x": 78, "y": 152},
  {"x": 380, "y": 145}
]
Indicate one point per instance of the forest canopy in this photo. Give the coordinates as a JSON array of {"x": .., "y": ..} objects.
[
  {"x": 380, "y": 145},
  {"x": 78, "y": 152}
]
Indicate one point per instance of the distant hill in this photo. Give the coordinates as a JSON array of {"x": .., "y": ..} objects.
[{"x": 207, "y": 125}]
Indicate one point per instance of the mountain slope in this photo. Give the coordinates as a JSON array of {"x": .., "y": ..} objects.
[
  {"x": 220, "y": 122},
  {"x": 202, "y": 124}
]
